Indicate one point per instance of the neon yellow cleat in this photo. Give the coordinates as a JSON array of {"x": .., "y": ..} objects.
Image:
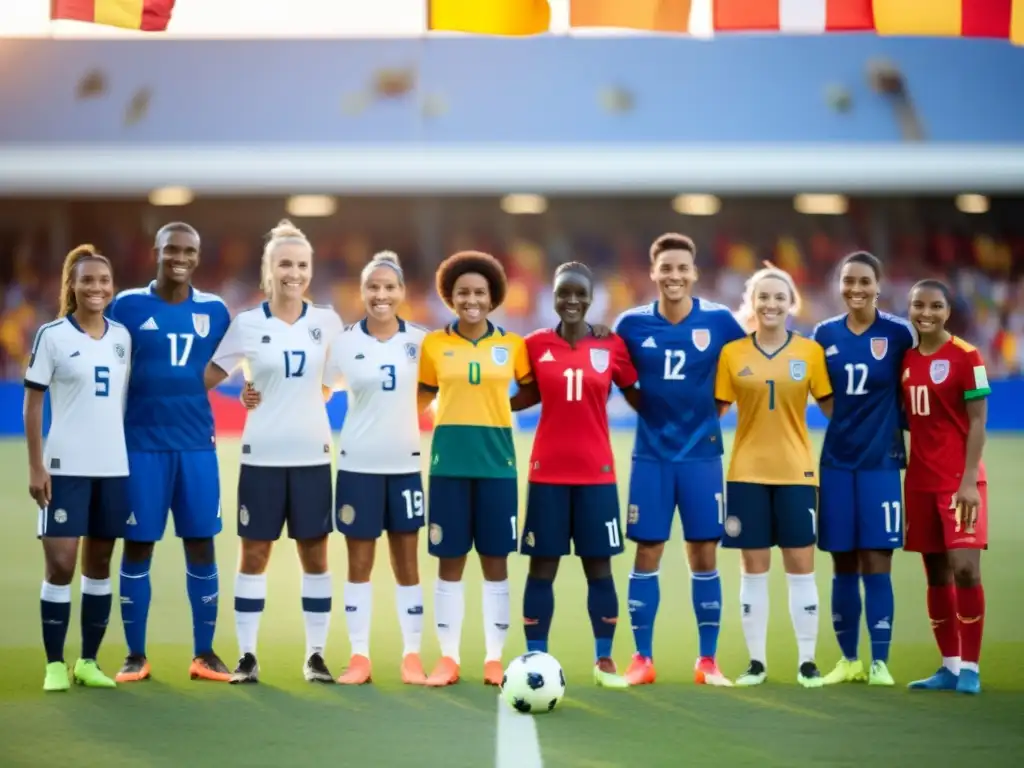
[
  {"x": 880, "y": 674},
  {"x": 606, "y": 676},
  {"x": 56, "y": 677},
  {"x": 88, "y": 673},
  {"x": 846, "y": 671}
]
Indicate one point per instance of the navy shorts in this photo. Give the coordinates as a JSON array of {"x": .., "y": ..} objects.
[
  {"x": 762, "y": 516},
  {"x": 860, "y": 510},
  {"x": 184, "y": 482},
  {"x": 657, "y": 489},
  {"x": 473, "y": 512},
  {"x": 367, "y": 505},
  {"x": 586, "y": 515},
  {"x": 85, "y": 506},
  {"x": 269, "y": 496}
]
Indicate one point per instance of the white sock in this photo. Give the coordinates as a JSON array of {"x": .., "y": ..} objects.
[
  {"x": 803, "y": 610},
  {"x": 358, "y": 610},
  {"x": 449, "y": 609},
  {"x": 409, "y": 602},
  {"x": 316, "y": 610},
  {"x": 754, "y": 602},
  {"x": 497, "y": 615},
  {"x": 952, "y": 663},
  {"x": 250, "y": 600}
]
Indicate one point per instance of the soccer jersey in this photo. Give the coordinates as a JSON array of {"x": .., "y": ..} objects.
[
  {"x": 864, "y": 431},
  {"x": 87, "y": 379},
  {"x": 381, "y": 433},
  {"x": 936, "y": 390},
  {"x": 572, "y": 446},
  {"x": 285, "y": 363},
  {"x": 676, "y": 363},
  {"x": 473, "y": 425},
  {"x": 772, "y": 446},
  {"x": 168, "y": 407}
]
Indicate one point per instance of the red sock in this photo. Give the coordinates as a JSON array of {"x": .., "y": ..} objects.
[
  {"x": 942, "y": 612},
  {"x": 970, "y": 616}
]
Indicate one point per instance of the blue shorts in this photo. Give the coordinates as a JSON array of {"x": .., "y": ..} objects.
[
  {"x": 764, "y": 516},
  {"x": 85, "y": 506},
  {"x": 656, "y": 489},
  {"x": 187, "y": 482},
  {"x": 480, "y": 512},
  {"x": 269, "y": 496},
  {"x": 367, "y": 505},
  {"x": 860, "y": 510},
  {"x": 588, "y": 515}
]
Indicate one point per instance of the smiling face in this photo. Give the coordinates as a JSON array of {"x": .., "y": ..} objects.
[
  {"x": 929, "y": 310},
  {"x": 858, "y": 286},
  {"x": 675, "y": 273},
  {"x": 471, "y": 298},
  {"x": 382, "y": 294},
  {"x": 177, "y": 255},
  {"x": 573, "y": 296},
  {"x": 773, "y": 301},
  {"x": 93, "y": 285},
  {"x": 291, "y": 270}
]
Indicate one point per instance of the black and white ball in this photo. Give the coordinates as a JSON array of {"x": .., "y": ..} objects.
[{"x": 534, "y": 683}]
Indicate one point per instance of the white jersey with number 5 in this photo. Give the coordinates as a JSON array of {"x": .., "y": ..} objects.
[
  {"x": 87, "y": 379},
  {"x": 285, "y": 363},
  {"x": 381, "y": 433}
]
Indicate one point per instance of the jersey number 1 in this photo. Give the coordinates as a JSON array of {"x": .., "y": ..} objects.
[{"x": 181, "y": 348}]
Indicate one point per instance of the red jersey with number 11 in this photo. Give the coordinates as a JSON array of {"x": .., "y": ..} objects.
[
  {"x": 572, "y": 446},
  {"x": 936, "y": 390}
]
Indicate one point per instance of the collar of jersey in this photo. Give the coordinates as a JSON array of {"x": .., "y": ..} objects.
[
  {"x": 557, "y": 330},
  {"x": 454, "y": 328},
  {"x": 269, "y": 314},
  {"x": 152, "y": 291},
  {"x": 693, "y": 309},
  {"x": 80, "y": 329},
  {"x": 366, "y": 329},
  {"x": 753, "y": 340}
]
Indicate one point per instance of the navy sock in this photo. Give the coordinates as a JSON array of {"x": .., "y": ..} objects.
[
  {"x": 96, "y": 600},
  {"x": 644, "y": 595},
  {"x": 603, "y": 607},
  {"x": 846, "y": 609},
  {"x": 706, "y": 592},
  {"x": 879, "y": 607},
  {"x": 55, "y": 612},
  {"x": 538, "y": 610},
  {"x": 202, "y": 585},
  {"x": 136, "y": 592}
]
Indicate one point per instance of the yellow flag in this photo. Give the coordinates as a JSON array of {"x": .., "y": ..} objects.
[
  {"x": 939, "y": 18},
  {"x": 1017, "y": 22},
  {"x": 490, "y": 17}
]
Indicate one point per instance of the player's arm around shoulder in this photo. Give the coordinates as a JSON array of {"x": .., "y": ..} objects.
[
  {"x": 527, "y": 393},
  {"x": 230, "y": 351},
  {"x": 820, "y": 384},
  {"x": 427, "y": 384},
  {"x": 725, "y": 392},
  {"x": 522, "y": 368}
]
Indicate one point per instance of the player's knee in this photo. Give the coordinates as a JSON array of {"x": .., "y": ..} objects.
[
  {"x": 847, "y": 562},
  {"x": 798, "y": 560},
  {"x": 451, "y": 568},
  {"x": 648, "y": 556},
  {"x": 937, "y": 570},
  {"x": 199, "y": 551},
  {"x": 96, "y": 556},
  {"x": 756, "y": 561},
  {"x": 138, "y": 551},
  {"x": 405, "y": 560},
  {"x": 544, "y": 568},
  {"x": 360, "y": 558},
  {"x": 702, "y": 555},
  {"x": 313, "y": 555},
  {"x": 874, "y": 561},
  {"x": 254, "y": 556},
  {"x": 966, "y": 571},
  {"x": 595, "y": 568},
  {"x": 494, "y": 568},
  {"x": 60, "y": 564}
]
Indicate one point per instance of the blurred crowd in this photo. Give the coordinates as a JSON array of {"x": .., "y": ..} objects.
[{"x": 982, "y": 257}]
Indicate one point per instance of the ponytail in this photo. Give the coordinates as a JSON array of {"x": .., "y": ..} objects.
[{"x": 77, "y": 255}]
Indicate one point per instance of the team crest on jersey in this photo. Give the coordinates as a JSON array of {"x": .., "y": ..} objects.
[
  {"x": 797, "y": 370},
  {"x": 202, "y": 325},
  {"x": 879, "y": 346},
  {"x": 314, "y": 335},
  {"x": 939, "y": 371},
  {"x": 119, "y": 350},
  {"x": 410, "y": 351},
  {"x": 499, "y": 355},
  {"x": 701, "y": 338},
  {"x": 347, "y": 514},
  {"x": 599, "y": 359}
]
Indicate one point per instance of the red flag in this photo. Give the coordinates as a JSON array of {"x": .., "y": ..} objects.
[{"x": 145, "y": 15}]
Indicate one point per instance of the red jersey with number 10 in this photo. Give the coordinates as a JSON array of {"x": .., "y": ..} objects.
[
  {"x": 936, "y": 390},
  {"x": 572, "y": 446}
]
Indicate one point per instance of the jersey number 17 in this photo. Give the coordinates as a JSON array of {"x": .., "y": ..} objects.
[{"x": 181, "y": 348}]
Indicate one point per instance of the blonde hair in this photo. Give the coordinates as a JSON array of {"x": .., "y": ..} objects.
[
  {"x": 284, "y": 233},
  {"x": 387, "y": 259},
  {"x": 745, "y": 314},
  {"x": 78, "y": 255}
]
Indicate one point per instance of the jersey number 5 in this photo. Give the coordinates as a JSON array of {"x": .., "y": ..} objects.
[
  {"x": 181, "y": 348},
  {"x": 919, "y": 403},
  {"x": 102, "y": 378}
]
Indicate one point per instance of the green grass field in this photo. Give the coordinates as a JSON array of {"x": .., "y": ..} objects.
[{"x": 284, "y": 721}]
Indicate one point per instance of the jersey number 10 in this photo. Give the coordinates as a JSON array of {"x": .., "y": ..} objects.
[{"x": 919, "y": 402}]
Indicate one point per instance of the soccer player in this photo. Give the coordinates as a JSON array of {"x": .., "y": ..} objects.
[
  {"x": 474, "y": 498},
  {"x": 945, "y": 387},
  {"x": 172, "y": 455},
  {"x": 286, "y": 445},
  {"x": 861, "y": 515},
  {"x": 79, "y": 480},
  {"x": 380, "y": 486},
  {"x": 677, "y": 459},
  {"x": 772, "y": 493},
  {"x": 572, "y": 494}
]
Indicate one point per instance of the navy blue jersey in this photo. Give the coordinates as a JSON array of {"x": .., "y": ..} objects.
[
  {"x": 168, "y": 408},
  {"x": 678, "y": 419},
  {"x": 864, "y": 433}
]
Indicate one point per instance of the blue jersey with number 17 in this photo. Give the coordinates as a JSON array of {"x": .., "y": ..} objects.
[
  {"x": 678, "y": 419},
  {"x": 168, "y": 408}
]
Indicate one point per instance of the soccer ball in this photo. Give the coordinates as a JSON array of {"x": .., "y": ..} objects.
[{"x": 533, "y": 683}]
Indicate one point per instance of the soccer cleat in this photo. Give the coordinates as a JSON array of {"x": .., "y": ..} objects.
[
  {"x": 445, "y": 673},
  {"x": 494, "y": 673},
  {"x": 208, "y": 666},
  {"x": 641, "y": 671},
  {"x": 968, "y": 682},
  {"x": 412, "y": 670},
  {"x": 809, "y": 676},
  {"x": 359, "y": 671},
  {"x": 88, "y": 673},
  {"x": 755, "y": 674},
  {"x": 315, "y": 670},
  {"x": 247, "y": 671},
  {"x": 607, "y": 676},
  {"x": 56, "y": 677},
  {"x": 134, "y": 669},
  {"x": 942, "y": 680},
  {"x": 880, "y": 674},
  {"x": 846, "y": 671},
  {"x": 706, "y": 672}
]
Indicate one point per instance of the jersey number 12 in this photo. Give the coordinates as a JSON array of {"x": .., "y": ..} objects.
[{"x": 856, "y": 378}]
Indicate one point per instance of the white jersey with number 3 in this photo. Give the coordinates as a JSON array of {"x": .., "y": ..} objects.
[
  {"x": 381, "y": 433},
  {"x": 285, "y": 363}
]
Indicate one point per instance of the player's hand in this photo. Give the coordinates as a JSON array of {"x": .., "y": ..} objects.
[
  {"x": 251, "y": 399},
  {"x": 601, "y": 331},
  {"x": 968, "y": 502},
  {"x": 39, "y": 486}
]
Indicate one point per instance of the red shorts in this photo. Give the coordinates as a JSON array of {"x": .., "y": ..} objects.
[{"x": 932, "y": 523}]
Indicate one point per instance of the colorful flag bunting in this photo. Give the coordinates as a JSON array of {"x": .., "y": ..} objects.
[
  {"x": 490, "y": 17},
  {"x": 145, "y": 15},
  {"x": 945, "y": 18},
  {"x": 797, "y": 16},
  {"x": 650, "y": 15}
]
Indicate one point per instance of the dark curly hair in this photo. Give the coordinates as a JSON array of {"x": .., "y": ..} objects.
[{"x": 472, "y": 262}]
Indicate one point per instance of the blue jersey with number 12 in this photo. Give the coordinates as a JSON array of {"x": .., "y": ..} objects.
[
  {"x": 168, "y": 408},
  {"x": 676, "y": 363}
]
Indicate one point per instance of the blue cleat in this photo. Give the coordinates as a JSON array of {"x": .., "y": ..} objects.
[
  {"x": 969, "y": 682},
  {"x": 943, "y": 680}
]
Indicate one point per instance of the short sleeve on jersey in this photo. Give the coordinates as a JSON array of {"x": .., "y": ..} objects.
[
  {"x": 521, "y": 363},
  {"x": 231, "y": 350},
  {"x": 975, "y": 377},
  {"x": 724, "y": 391},
  {"x": 428, "y": 370},
  {"x": 624, "y": 373},
  {"x": 40, "y": 366},
  {"x": 821, "y": 386}
]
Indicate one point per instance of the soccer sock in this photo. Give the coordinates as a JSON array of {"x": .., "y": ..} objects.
[
  {"x": 846, "y": 609},
  {"x": 754, "y": 602},
  {"x": 603, "y": 607},
  {"x": 497, "y": 610},
  {"x": 643, "y": 594},
  {"x": 358, "y": 612},
  {"x": 942, "y": 611},
  {"x": 250, "y": 600},
  {"x": 879, "y": 608},
  {"x": 202, "y": 584},
  {"x": 538, "y": 610},
  {"x": 409, "y": 601},
  {"x": 135, "y": 592},
  {"x": 55, "y": 611},
  {"x": 96, "y": 601},
  {"x": 970, "y": 617},
  {"x": 449, "y": 609},
  {"x": 316, "y": 611},
  {"x": 706, "y": 593},
  {"x": 803, "y": 610}
]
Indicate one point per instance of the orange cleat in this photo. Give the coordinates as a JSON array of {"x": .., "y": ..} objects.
[
  {"x": 134, "y": 669},
  {"x": 412, "y": 670},
  {"x": 706, "y": 672},
  {"x": 208, "y": 666},
  {"x": 494, "y": 673},
  {"x": 641, "y": 671},
  {"x": 358, "y": 672},
  {"x": 445, "y": 673}
]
